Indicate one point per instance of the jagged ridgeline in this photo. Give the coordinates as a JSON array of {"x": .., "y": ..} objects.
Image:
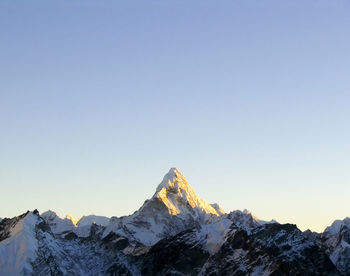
[{"x": 173, "y": 233}]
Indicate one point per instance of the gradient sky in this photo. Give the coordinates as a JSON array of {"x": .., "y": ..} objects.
[{"x": 249, "y": 99}]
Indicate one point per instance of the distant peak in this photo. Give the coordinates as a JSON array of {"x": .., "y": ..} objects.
[
  {"x": 173, "y": 172},
  {"x": 337, "y": 225},
  {"x": 248, "y": 212},
  {"x": 177, "y": 195},
  {"x": 72, "y": 219},
  {"x": 49, "y": 214},
  {"x": 173, "y": 176}
]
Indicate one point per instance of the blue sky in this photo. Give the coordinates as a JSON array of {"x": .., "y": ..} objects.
[{"x": 249, "y": 99}]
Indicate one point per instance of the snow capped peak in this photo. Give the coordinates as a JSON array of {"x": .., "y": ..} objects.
[
  {"x": 336, "y": 226},
  {"x": 248, "y": 212},
  {"x": 173, "y": 208},
  {"x": 177, "y": 195},
  {"x": 81, "y": 227},
  {"x": 218, "y": 208},
  {"x": 18, "y": 251},
  {"x": 173, "y": 176},
  {"x": 57, "y": 224},
  {"x": 72, "y": 219},
  {"x": 49, "y": 215},
  {"x": 93, "y": 219}
]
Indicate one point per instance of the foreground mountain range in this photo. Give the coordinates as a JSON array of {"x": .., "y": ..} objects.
[{"x": 173, "y": 233}]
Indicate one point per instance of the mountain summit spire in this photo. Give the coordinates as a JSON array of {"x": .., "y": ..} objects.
[
  {"x": 173, "y": 208},
  {"x": 179, "y": 197},
  {"x": 174, "y": 176}
]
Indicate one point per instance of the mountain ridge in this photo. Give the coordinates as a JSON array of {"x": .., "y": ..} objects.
[{"x": 173, "y": 233}]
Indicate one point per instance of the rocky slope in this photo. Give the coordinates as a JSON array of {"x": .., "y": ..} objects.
[
  {"x": 336, "y": 241},
  {"x": 173, "y": 233}
]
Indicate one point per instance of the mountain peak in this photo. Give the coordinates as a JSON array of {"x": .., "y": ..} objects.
[
  {"x": 336, "y": 226},
  {"x": 72, "y": 219},
  {"x": 173, "y": 208},
  {"x": 177, "y": 195},
  {"x": 174, "y": 176}
]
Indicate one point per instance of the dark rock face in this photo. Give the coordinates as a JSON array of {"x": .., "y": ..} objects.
[
  {"x": 115, "y": 242},
  {"x": 118, "y": 269},
  {"x": 173, "y": 233},
  {"x": 70, "y": 236},
  {"x": 273, "y": 249},
  {"x": 268, "y": 249},
  {"x": 178, "y": 255},
  {"x": 337, "y": 246}
]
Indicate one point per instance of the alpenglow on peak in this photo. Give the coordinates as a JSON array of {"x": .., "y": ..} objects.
[
  {"x": 175, "y": 192},
  {"x": 172, "y": 177}
]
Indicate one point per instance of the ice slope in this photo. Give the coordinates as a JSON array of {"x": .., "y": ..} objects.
[{"x": 19, "y": 250}]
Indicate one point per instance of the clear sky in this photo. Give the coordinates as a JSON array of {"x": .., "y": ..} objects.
[{"x": 249, "y": 99}]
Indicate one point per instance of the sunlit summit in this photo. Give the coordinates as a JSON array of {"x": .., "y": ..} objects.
[
  {"x": 144, "y": 243},
  {"x": 100, "y": 99}
]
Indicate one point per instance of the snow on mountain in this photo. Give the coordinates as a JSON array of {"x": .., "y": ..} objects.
[
  {"x": 19, "y": 249},
  {"x": 173, "y": 208},
  {"x": 269, "y": 249},
  {"x": 336, "y": 238},
  {"x": 212, "y": 235},
  {"x": 57, "y": 224},
  {"x": 173, "y": 233},
  {"x": 244, "y": 219},
  {"x": 28, "y": 247},
  {"x": 222, "y": 247},
  {"x": 88, "y": 220},
  {"x": 81, "y": 227},
  {"x": 72, "y": 219},
  {"x": 175, "y": 193},
  {"x": 336, "y": 226}
]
